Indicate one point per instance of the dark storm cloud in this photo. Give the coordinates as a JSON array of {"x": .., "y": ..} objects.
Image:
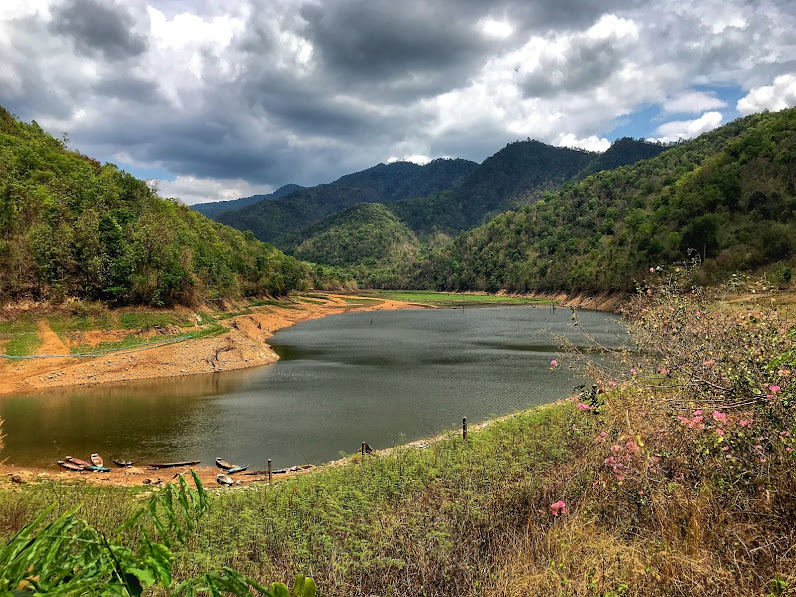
[
  {"x": 584, "y": 64},
  {"x": 98, "y": 26},
  {"x": 307, "y": 90}
]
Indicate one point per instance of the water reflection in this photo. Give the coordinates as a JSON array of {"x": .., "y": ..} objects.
[{"x": 380, "y": 377}]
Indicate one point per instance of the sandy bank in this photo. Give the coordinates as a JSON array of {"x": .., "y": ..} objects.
[{"x": 243, "y": 345}]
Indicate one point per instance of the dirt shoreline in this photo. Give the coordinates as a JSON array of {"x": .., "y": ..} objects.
[{"x": 243, "y": 345}]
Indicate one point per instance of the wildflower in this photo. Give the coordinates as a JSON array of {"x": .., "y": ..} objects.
[
  {"x": 652, "y": 269},
  {"x": 558, "y": 507},
  {"x": 719, "y": 431},
  {"x": 581, "y": 406},
  {"x": 709, "y": 363},
  {"x": 553, "y": 364},
  {"x": 746, "y": 422},
  {"x": 600, "y": 437},
  {"x": 612, "y": 383},
  {"x": 719, "y": 417},
  {"x": 632, "y": 371},
  {"x": 774, "y": 389},
  {"x": 789, "y": 449},
  {"x": 697, "y": 412}
]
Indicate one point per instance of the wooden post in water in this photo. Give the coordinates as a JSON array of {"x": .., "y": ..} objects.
[
  {"x": 270, "y": 474},
  {"x": 464, "y": 428}
]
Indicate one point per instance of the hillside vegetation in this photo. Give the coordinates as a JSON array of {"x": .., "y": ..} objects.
[
  {"x": 71, "y": 227},
  {"x": 272, "y": 220},
  {"x": 519, "y": 173},
  {"x": 730, "y": 195}
]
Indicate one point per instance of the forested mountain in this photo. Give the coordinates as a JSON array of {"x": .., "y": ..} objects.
[
  {"x": 385, "y": 183},
  {"x": 71, "y": 227},
  {"x": 623, "y": 152},
  {"x": 517, "y": 174},
  {"x": 729, "y": 194},
  {"x": 515, "y": 169},
  {"x": 213, "y": 208},
  {"x": 367, "y": 234}
]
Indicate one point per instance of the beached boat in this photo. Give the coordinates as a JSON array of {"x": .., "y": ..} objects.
[
  {"x": 223, "y": 479},
  {"x": 237, "y": 469},
  {"x": 96, "y": 460},
  {"x": 71, "y": 466},
  {"x": 223, "y": 464},
  {"x": 97, "y": 469},
  {"x": 124, "y": 463},
  {"x": 173, "y": 464},
  {"x": 81, "y": 463}
]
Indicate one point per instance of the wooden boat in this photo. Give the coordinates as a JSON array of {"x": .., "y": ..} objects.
[
  {"x": 97, "y": 469},
  {"x": 237, "y": 469},
  {"x": 124, "y": 463},
  {"x": 173, "y": 464},
  {"x": 223, "y": 464},
  {"x": 78, "y": 462},
  {"x": 71, "y": 466},
  {"x": 223, "y": 479},
  {"x": 96, "y": 460}
]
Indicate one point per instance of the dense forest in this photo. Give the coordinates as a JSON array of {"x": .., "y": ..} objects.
[
  {"x": 729, "y": 196},
  {"x": 384, "y": 183},
  {"x": 72, "y": 227},
  {"x": 519, "y": 173}
]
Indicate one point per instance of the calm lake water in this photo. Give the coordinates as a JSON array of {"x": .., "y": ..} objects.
[{"x": 384, "y": 377}]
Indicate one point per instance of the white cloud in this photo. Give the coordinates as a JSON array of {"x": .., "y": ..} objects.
[
  {"x": 590, "y": 143},
  {"x": 688, "y": 129},
  {"x": 780, "y": 95},
  {"x": 422, "y": 160},
  {"x": 499, "y": 29},
  {"x": 692, "y": 102},
  {"x": 191, "y": 189}
]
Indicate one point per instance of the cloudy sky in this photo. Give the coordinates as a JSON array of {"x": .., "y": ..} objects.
[{"x": 219, "y": 100}]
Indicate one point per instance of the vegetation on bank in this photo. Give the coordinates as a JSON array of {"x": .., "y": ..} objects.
[
  {"x": 71, "y": 227},
  {"x": 730, "y": 195},
  {"x": 447, "y": 299},
  {"x": 675, "y": 475}
]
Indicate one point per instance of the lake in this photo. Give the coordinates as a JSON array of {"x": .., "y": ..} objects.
[{"x": 384, "y": 377}]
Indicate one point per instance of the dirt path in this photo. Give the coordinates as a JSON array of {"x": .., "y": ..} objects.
[{"x": 243, "y": 345}]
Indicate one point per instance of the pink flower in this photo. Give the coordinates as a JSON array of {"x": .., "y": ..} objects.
[
  {"x": 709, "y": 363},
  {"x": 719, "y": 417},
  {"x": 746, "y": 422},
  {"x": 558, "y": 507},
  {"x": 652, "y": 269},
  {"x": 774, "y": 389},
  {"x": 612, "y": 383},
  {"x": 632, "y": 371},
  {"x": 719, "y": 432},
  {"x": 581, "y": 406},
  {"x": 553, "y": 364}
]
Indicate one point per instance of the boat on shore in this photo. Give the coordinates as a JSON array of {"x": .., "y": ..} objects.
[
  {"x": 96, "y": 460},
  {"x": 223, "y": 464},
  {"x": 237, "y": 469},
  {"x": 77, "y": 461},
  {"x": 173, "y": 464},
  {"x": 70, "y": 466},
  {"x": 124, "y": 463}
]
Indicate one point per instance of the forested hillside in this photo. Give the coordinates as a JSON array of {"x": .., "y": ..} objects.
[
  {"x": 519, "y": 173},
  {"x": 729, "y": 194},
  {"x": 214, "y": 208},
  {"x": 367, "y": 236},
  {"x": 71, "y": 227},
  {"x": 385, "y": 183}
]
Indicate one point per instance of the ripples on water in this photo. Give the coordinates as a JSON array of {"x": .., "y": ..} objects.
[{"x": 384, "y": 377}]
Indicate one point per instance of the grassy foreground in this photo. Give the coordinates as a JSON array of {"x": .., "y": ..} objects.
[{"x": 675, "y": 477}]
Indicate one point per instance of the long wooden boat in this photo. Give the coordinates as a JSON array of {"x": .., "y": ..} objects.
[
  {"x": 223, "y": 464},
  {"x": 78, "y": 462},
  {"x": 173, "y": 464},
  {"x": 96, "y": 460},
  {"x": 71, "y": 466},
  {"x": 97, "y": 469},
  {"x": 237, "y": 469}
]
